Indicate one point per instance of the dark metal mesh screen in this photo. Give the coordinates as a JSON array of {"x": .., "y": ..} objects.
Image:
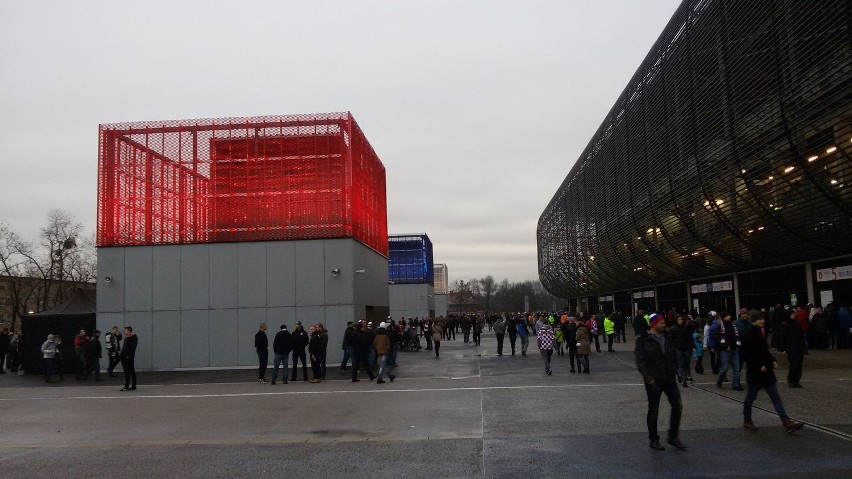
[{"x": 729, "y": 149}]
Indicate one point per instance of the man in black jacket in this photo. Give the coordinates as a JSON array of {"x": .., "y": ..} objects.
[
  {"x": 300, "y": 342},
  {"x": 261, "y": 344},
  {"x": 95, "y": 355},
  {"x": 128, "y": 359},
  {"x": 281, "y": 345},
  {"x": 791, "y": 340},
  {"x": 640, "y": 325},
  {"x": 760, "y": 366},
  {"x": 655, "y": 359},
  {"x": 361, "y": 347}
]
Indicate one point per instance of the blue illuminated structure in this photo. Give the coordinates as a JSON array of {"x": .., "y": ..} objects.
[{"x": 410, "y": 259}]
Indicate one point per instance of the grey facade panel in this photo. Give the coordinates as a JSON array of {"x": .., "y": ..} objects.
[
  {"x": 252, "y": 275},
  {"x": 338, "y": 255},
  {"x": 195, "y": 338},
  {"x": 195, "y": 276},
  {"x": 164, "y": 341},
  {"x": 223, "y": 343},
  {"x": 166, "y": 277},
  {"x": 281, "y": 273},
  {"x": 110, "y": 295},
  {"x": 181, "y": 330},
  {"x": 224, "y": 274},
  {"x": 411, "y": 300},
  {"x": 275, "y": 317},
  {"x": 310, "y": 273},
  {"x": 140, "y": 283}
]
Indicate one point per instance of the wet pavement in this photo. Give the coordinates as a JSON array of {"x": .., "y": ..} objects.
[{"x": 469, "y": 413}]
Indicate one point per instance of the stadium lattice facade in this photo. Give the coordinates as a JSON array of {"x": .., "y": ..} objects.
[{"x": 728, "y": 152}]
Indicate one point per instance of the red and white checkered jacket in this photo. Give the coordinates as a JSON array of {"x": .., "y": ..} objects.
[{"x": 545, "y": 338}]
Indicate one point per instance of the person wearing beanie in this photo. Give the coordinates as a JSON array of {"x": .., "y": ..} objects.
[
  {"x": 655, "y": 359},
  {"x": 760, "y": 374},
  {"x": 300, "y": 342}
]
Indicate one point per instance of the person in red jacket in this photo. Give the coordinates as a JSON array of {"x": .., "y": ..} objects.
[{"x": 803, "y": 319}]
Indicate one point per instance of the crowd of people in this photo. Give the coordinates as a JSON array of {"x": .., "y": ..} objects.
[{"x": 669, "y": 347}]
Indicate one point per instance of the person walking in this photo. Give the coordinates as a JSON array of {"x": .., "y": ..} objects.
[
  {"x": 5, "y": 341},
  {"x": 314, "y": 350},
  {"x": 760, "y": 367},
  {"x": 683, "y": 342},
  {"x": 609, "y": 330},
  {"x": 261, "y": 344},
  {"x": 128, "y": 359},
  {"x": 791, "y": 341},
  {"x": 361, "y": 347},
  {"x": 81, "y": 354},
  {"x": 347, "y": 345},
  {"x": 584, "y": 347},
  {"x": 524, "y": 334},
  {"x": 300, "y": 342},
  {"x": 282, "y": 344},
  {"x": 499, "y": 328},
  {"x": 655, "y": 359},
  {"x": 95, "y": 354},
  {"x": 512, "y": 329},
  {"x": 426, "y": 332},
  {"x": 569, "y": 332},
  {"x": 594, "y": 331},
  {"x": 382, "y": 345},
  {"x": 437, "y": 334},
  {"x": 545, "y": 346},
  {"x": 113, "y": 347},
  {"x": 728, "y": 345}
]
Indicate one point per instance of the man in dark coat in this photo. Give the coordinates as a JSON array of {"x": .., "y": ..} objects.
[
  {"x": 128, "y": 359},
  {"x": 300, "y": 342},
  {"x": 760, "y": 366},
  {"x": 281, "y": 345},
  {"x": 655, "y": 359},
  {"x": 361, "y": 347},
  {"x": 95, "y": 355},
  {"x": 640, "y": 325},
  {"x": 791, "y": 341},
  {"x": 261, "y": 344}
]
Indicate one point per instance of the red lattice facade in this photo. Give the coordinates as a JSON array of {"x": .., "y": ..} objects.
[{"x": 240, "y": 179}]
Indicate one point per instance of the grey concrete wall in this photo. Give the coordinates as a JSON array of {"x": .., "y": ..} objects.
[
  {"x": 411, "y": 300},
  {"x": 199, "y": 306},
  {"x": 441, "y": 305}
]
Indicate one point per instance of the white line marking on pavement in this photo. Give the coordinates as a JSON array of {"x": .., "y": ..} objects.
[{"x": 340, "y": 391}]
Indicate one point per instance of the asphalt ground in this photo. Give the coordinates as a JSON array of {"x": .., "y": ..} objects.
[{"x": 469, "y": 413}]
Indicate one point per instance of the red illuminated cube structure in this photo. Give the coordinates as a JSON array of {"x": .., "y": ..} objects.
[{"x": 240, "y": 179}]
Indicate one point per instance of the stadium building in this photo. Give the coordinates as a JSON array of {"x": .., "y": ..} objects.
[{"x": 721, "y": 177}]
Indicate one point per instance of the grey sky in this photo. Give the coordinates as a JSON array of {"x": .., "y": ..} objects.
[{"x": 478, "y": 110}]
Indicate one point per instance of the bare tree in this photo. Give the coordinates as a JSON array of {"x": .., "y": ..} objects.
[
  {"x": 487, "y": 288},
  {"x": 15, "y": 262},
  {"x": 60, "y": 238}
]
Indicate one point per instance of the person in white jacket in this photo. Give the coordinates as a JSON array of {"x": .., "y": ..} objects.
[{"x": 48, "y": 351}]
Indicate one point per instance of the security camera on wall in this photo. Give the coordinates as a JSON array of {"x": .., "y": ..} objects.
[{"x": 335, "y": 272}]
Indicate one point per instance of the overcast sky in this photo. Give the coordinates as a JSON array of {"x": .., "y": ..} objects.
[{"x": 478, "y": 110}]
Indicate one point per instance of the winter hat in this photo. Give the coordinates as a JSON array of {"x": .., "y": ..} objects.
[{"x": 655, "y": 319}]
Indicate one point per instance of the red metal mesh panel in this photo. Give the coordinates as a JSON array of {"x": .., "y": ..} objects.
[{"x": 240, "y": 179}]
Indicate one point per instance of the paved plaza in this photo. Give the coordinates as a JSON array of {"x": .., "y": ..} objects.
[{"x": 468, "y": 414}]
